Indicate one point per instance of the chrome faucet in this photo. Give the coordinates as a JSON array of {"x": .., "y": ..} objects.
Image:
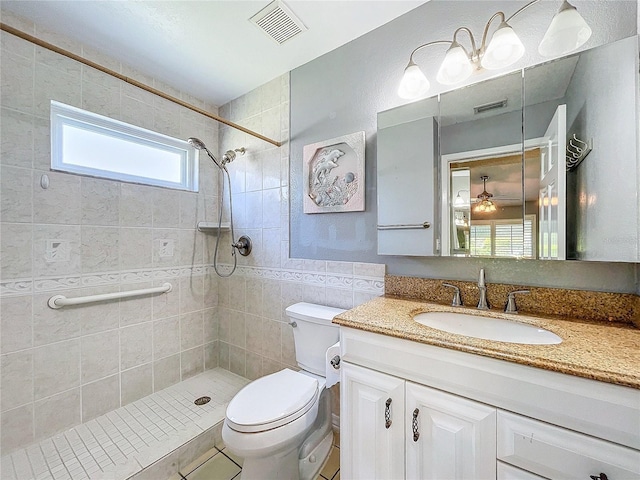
[
  {"x": 482, "y": 287},
  {"x": 457, "y": 301},
  {"x": 511, "y": 307}
]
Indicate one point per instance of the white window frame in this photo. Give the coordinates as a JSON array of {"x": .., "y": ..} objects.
[{"x": 64, "y": 115}]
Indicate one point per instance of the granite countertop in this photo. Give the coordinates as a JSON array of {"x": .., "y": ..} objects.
[{"x": 600, "y": 351}]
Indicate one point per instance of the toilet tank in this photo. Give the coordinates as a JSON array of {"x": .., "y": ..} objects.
[{"x": 313, "y": 333}]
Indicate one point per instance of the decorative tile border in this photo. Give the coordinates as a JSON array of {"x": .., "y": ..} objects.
[
  {"x": 24, "y": 287},
  {"x": 374, "y": 285},
  {"x": 14, "y": 287}
]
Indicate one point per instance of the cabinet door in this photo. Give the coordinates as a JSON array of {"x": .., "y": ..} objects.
[
  {"x": 371, "y": 424},
  {"x": 456, "y": 437}
]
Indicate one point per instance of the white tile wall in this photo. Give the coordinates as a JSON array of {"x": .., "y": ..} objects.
[
  {"x": 255, "y": 338},
  {"x": 84, "y": 236}
]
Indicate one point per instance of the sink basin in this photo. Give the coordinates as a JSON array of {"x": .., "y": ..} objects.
[{"x": 496, "y": 329}]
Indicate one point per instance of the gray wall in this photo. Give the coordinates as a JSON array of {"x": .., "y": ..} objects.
[
  {"x": 342, "y": 91},
  {"x": 595, "y": 109}
]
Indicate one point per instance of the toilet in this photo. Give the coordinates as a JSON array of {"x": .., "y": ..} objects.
[{"x": 280, "y": 424}]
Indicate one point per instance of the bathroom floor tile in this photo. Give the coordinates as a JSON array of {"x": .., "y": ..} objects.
[
  {"x": 219, "y": 467},
  {"x": 233, "y": 457},
  {"x": 333, "y": 464},
  {"x": 199, "y": 461}
]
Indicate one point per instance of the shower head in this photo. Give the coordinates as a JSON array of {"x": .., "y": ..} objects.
[
  {"x": 199, "y": 145},
  {"x": 196, "y": 143},
  {"x": 230, "y": 155}
]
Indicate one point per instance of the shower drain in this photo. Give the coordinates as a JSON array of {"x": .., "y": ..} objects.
[{"x": 202, "y": 400}]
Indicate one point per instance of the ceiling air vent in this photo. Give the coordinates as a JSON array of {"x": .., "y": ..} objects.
[
  {"x": 278, "y": 22},
  {"x": 490, "y": 106}
]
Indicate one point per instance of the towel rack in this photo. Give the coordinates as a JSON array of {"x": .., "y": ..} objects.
[
  {"x": 59, "y": 301},
  {"x": 577, "y": 151},
  {"x": 405, "y": 226}
]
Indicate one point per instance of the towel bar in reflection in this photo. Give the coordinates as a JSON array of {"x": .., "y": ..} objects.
[
  {"x": 405, "y": 226},
  {"x": 59, "y": 301}
]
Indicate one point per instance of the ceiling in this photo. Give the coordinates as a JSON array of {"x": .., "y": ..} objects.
[{"x": 209, "y": 48}]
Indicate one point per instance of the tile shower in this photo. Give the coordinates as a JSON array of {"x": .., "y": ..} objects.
[{"x": 83, "y": 236}]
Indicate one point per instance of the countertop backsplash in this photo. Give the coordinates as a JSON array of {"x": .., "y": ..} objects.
[{"x": 576, "y": 304}]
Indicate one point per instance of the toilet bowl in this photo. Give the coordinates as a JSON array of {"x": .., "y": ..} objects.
[{"x": 280, "y": 424}]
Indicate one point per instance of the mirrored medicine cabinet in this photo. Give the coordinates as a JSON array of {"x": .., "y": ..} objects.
[{"x": 540, "y": 163}]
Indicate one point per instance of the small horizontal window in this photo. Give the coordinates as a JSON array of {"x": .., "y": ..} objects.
[{"x": 90, "y": 144}]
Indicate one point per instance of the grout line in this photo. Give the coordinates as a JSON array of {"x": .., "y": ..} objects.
[
  {"x": 13, "y": 467},
  {"x": 230, "y": 459},
  {"x": 75, "y": 454},
  {"x": 30, "y": 465},
  {"x": 107, "y": 419},
  {"x": 200, "y": 464},
  {"x": 64, "y": 464}
]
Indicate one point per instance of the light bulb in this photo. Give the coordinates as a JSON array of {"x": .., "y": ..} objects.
[
  {"x": 504, "y": 49},
  {"x": 567, "y": 31},
  {"x": 414, "y": 84},
  {"x": 456, "y": 66}
]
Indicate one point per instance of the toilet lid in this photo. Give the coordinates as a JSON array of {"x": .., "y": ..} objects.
[{"x": 272, "y": 401}]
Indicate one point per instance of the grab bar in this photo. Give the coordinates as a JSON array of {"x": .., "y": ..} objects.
[
  {"x": 408, "y": 226},
  {"x": 59, "y": 301}
]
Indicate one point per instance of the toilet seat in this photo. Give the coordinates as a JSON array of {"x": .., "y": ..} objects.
[{"x": 272, "y": 401}]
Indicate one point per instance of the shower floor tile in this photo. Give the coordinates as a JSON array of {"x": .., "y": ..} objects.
[{"x": 123, "y": 442}]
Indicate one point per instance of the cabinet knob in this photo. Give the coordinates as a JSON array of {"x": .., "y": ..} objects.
[
  {"x": 414, "y": 425},
  {"x": 602, "y": 476},
  {"x": 387, "y": 413}
]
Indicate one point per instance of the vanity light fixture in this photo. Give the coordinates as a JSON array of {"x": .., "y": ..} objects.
[
  {"x": 567, "y": 32},
  {"x": 461, "y": 201},
  {"x": 485, "y": 204}
]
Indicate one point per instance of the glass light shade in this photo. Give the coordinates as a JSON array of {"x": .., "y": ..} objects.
[
  {"x": 567, "y": 31},
  {"x": 413, "y": 84},
  {"x": 504, "y": 49},
  {"x": 485, "y": 206},
  {"x": 456, "y": 66}
]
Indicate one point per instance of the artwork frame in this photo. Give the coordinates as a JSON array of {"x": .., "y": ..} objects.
[{"x": 334, "y": 175}]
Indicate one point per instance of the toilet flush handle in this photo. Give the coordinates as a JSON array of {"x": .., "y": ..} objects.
[
  {"x": 335, "y": 362},
  {"x": 293, "y": 324}
]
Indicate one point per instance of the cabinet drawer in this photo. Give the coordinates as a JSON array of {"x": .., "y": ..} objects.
[
  {"x": 509, "y": 472},
  {"x": 555, "y": 452}
]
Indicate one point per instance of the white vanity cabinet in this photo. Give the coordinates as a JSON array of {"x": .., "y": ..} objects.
[
  {"x": 477, "y": 417},
  {"x": 396, "y": 429}
]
